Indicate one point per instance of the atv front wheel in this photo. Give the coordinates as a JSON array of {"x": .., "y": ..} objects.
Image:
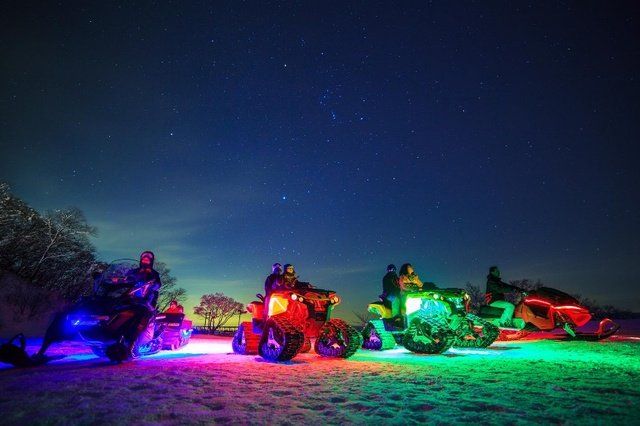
[
  {"x": 427, "y": 336},
  {"x": 280, "y": 340},
  {"x": 337, "y": 339},
  {"x": 245, "y": 341}
]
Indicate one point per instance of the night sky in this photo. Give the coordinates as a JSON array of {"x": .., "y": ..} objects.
[{"x": 338, "y": 137}]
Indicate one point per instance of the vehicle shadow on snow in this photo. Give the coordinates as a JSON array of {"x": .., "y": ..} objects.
[
  {"x": 501, "y": 348},
  {"x": 295, "y": 361}
]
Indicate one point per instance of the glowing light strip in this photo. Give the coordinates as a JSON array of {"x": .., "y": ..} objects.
[{"x": 544, "y": 302}]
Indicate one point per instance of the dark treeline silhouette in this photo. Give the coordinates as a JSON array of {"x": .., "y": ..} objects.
[{"x": 47, "y": 258}]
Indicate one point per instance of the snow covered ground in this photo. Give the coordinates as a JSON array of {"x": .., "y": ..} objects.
[{"x": 530, "y": 381}]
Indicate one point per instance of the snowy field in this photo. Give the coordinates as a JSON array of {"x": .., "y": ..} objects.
[{"x": 544, "y": 381}]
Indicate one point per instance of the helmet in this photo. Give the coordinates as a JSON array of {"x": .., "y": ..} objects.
[
  {"x": 276, "y": 268},
  {"x": 494, "y": 271},
  {"x": 391, "y": 268},
  {"x": 146, "y": 259}
]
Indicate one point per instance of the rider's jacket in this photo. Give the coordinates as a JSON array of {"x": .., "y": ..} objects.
[
  {"x": 390, "y": 286},
  {"x": 150, "y": 277},
  {"x": 273, "y": 282},
  {"x": 496, "y": 288}
]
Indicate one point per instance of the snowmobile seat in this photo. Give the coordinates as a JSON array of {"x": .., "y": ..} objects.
[{"x": 487, "y": 311}]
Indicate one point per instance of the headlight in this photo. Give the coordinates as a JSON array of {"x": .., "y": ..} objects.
[
  {"x": 294, "y": 296},
  {"x": 413, "y": 304},
  {"x": 436, "y": 296}
]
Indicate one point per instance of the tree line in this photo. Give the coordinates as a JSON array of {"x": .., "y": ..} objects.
[{"x": 52, "y": 260}]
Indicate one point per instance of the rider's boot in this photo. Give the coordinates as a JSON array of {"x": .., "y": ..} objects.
[{"x": 569, "y": 330}]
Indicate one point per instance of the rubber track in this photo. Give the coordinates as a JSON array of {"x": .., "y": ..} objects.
[
  {"x": 439, "y": 330},
  {"x": 293, "y": 338},
  {"x": 251, "y": 339},
  {"x": 489, "y": 334},
  {"x": 387, "y": 341},
  {"x": 306, "y": 346},
  {"x": 353, "y": 337}
]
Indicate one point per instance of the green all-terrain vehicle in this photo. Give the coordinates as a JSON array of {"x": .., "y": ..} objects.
[{"x": 428, "y": 322}]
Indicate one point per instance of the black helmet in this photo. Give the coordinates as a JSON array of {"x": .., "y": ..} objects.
[
  {"x": 276, "y": 268},
  {"x": 148, "y": 255},
  {"x": 391, "y": 267}
]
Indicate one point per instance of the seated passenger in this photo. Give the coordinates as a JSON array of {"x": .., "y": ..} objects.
[
  {"x": 174, "y": 308},
  {"x": 408, "y": 279},
  {"x": 290, "y": 279}
]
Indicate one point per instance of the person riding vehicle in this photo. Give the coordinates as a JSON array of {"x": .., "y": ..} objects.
[
  {"x": 290, "y": 279},
  {"x": 495, "y": 295},
  {"x": 390, "y": 290},
  {"x": 274, "y": 280},
  {"x": 144, "y": 302},
  {"x": 148, "y": 278},
  {"x": 174, "y": 308},
  {"x": 409, "y": 280}
]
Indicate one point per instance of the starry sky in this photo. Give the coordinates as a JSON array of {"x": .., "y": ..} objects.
[{"x": 337, "y": 136}]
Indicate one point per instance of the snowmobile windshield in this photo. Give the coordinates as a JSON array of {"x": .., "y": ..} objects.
[
  {"x": 555, "y": 297},
  {"x": 117, "y": 279}
]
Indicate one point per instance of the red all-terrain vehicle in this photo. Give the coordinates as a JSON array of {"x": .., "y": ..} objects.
[{"x": 289, "y": 322}]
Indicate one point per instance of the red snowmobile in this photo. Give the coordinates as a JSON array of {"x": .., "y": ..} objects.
[
  {"x": 291, "y": 318},
  {"x": 546, "y": 309},
  {"x": 177, "y": 330}
]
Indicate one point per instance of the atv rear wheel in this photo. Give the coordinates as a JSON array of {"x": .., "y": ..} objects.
[
  {"x": 428, "y": 336},
  {"x": 245, "y": 341},
  {"x": 280, "y": 340},
  {"x": 376, "y": 338},
  {"x": 337, "y": 339}
]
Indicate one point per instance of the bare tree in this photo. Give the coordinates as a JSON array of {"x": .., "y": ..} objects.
[
  {"x": 63, "y": 230},
  {"x": 19, "y": 226},
  {"x": 364, "y": 317},
  {"x": 217, "y": 309},
  {"x": 476, "y": 295},
  {"x": 526, "y": 285},
  {"x": 51, "y": 251}
]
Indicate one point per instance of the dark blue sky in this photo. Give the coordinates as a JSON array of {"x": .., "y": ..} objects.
[{"x": 339, "y": 137}]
